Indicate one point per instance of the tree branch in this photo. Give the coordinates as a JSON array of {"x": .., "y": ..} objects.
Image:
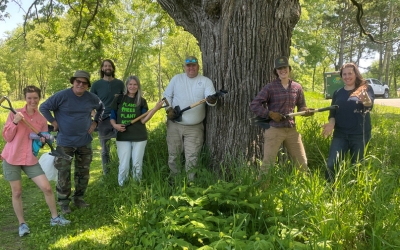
[{"x": 360, "y": 13}]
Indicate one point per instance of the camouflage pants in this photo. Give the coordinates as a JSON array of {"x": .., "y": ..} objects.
[{"x": 82, "y": 159}]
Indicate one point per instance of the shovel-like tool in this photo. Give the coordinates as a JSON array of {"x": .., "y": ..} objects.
[
  {"x": 264, "y": 122},
  {"x": 58, "y": 152},
  {"x": 179, "y": 111},
  {"x": 146, "y": 113}
]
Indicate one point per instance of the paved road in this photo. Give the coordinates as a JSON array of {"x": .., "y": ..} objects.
[{"x": 388, "y": 102}]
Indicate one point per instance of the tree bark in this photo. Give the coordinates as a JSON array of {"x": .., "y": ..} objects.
[
  {"x": 239, "y": 40},
  {"x": 389, "y": 46}
]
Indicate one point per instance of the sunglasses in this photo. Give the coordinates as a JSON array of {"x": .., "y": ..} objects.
[
  {"x": 80, "y": 82},
  {"x": 191, "y": 61}
]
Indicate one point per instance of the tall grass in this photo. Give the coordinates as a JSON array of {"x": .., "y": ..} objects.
[{"x": 233, "y": 210}]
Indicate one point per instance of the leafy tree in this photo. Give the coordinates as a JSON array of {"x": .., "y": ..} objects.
[
  {"x": 309, "y": 44},
  {"x": 13, "y": 62},
  {"x": 239, "y": 41},
  {"x": 4, "y": 86}
]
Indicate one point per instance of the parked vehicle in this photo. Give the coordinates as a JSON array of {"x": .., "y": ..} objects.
[{"x": 380, "y": 89}]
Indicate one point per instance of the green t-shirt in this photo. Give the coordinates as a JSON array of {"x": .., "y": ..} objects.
[{"x": 127, "y": 110}]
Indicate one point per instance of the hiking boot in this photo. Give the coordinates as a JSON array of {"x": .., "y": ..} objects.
[
  {"x": 59, "y": 220},
  {"x": 65, "y": 209},
  {"x": 80, "y": 203},
  {"x": 23, "y": 229}
]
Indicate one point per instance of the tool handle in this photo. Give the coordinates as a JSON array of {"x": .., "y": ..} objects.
[
  {"x": 5, "y": 98},
  {"x": 15, "y": 112},
  {"x": 217, "y": 94},
  {"x": 140, "y": 117},
  {"x": 2, "y": 99},
  {"x": 313, "y": 111},
  {"x": 146, "y": 113},
  {"x": 194, "y": 104},
  {"x": 32, "y": 128}
]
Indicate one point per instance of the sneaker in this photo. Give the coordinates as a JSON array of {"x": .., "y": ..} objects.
[
  {"x": 80, "y": 203},
  {"x": 59, "y": 220},
  {"x": 23, "y": 230},
  {"x": 65, "y": 209}
]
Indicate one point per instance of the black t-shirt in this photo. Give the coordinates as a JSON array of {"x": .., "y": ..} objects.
[
  {"x": 351, "y": 117},
  {"x": 127, "y": 110}
]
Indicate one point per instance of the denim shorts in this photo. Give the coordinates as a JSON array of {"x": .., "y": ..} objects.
[{"x": 13, "y": 172}]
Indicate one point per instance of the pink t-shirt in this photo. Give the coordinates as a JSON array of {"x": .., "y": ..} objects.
[{"x": 18, "y": 148}]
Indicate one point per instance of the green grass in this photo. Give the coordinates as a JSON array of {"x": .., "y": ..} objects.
[{"x": 361, "y": 210}]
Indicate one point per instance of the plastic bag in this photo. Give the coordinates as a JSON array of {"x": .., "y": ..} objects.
[{"x": 46, "y": 161}]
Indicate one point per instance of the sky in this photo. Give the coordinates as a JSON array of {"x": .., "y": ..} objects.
[{"x": 17, "y": 18}]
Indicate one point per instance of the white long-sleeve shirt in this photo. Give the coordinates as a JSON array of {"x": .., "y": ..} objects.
[{"x": 183, "y": 91}]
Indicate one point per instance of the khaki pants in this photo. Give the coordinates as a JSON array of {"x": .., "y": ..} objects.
[
  {"x": 291, "y": 139},
  {"x": 184, "y": 138}
]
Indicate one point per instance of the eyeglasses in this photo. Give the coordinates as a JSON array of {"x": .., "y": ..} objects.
[
  {"x": 191, "y": 61},
  {"x": 80, "y": 82}
]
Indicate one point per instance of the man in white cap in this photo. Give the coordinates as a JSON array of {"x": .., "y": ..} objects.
[{"x": 188, "y": 134}]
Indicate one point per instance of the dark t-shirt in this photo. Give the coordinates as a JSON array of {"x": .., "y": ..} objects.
[
  {"x": 351, "y": 118},
  {"x": 106, "y": 91},
  {"x": 127, "y": 110}
]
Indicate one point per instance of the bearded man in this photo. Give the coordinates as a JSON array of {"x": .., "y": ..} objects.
[{"x": 106, "y": 88}]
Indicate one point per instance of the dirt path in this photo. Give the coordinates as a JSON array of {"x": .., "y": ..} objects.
[
  {"x": 388, "y": 102},
  {"x": 10, "y": 239}
]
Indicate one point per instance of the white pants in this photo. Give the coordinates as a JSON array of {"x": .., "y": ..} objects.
[{"x": 127, "y": 150}]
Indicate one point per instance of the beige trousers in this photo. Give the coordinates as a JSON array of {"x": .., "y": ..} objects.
[
  {"x": 184, "y": 138},
  {"x": 291, "y": 139}
]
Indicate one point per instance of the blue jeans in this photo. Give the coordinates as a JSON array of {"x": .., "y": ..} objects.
[{"x": 342, "y": 144}]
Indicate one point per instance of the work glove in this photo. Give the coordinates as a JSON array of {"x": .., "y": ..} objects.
[
  {"x": 171, "y": 114},
  {"x": 356, "y": 95},
  {"x": 212, "y": 99},
  {"x": 277, "y": 117},
  {"x": 308, "y": 112}
]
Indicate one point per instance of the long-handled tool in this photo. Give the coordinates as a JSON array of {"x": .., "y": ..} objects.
[
  {"x": 264, "y": 122},
  {"x": 58, "y": 152},
  {"x": 146, "y": 113},
  {"x": 179, "y": 111}
]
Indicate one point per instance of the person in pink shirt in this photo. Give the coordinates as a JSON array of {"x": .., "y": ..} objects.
[{"x": 18, "y": 156}]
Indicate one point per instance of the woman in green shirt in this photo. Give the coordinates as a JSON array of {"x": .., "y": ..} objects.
[{"x": 131, "y": 140}]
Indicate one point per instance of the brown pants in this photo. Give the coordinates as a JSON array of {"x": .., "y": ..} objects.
[{"x": 291, "y": 139}]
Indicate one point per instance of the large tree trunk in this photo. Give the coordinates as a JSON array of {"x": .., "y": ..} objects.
[{"x": 239, "y": 40}]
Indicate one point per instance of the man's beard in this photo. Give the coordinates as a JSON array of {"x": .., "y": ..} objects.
[{"x": 108, "y": 73}]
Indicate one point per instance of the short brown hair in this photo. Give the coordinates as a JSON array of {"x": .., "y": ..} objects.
[{"x": 32, "y": 89}]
